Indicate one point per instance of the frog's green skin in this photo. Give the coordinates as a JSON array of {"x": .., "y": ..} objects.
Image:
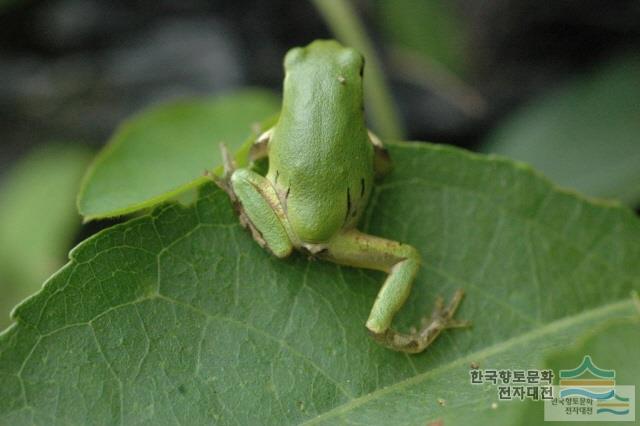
[{"x": 322, "y": 163}]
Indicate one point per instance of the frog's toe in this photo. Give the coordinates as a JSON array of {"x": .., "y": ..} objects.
[
  {"x": 227, "y": 162},
  {"x": 443, "y": 315}
]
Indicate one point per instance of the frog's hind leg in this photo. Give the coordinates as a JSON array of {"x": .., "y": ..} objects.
[
  {"x": 257, "y": 204},
  {"x": 401, "y": 262}
]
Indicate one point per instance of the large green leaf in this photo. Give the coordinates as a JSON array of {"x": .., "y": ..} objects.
[
  {"x": 38, "y": 219},
  {"x": 179, "y": 317},
  {"x": 164, "y": 151},
  {"x": 584, "y": 135}
]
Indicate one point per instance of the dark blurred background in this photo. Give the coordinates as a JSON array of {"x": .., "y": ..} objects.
[{"x": 71, "y": 70}]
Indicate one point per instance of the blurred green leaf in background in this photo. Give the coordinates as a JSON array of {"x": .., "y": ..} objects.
[
  {"x": 584, "y": 135},
  {"x": 432, "y": 29},
  {"x": 38, "y": 219},
  {"x": 164, "y": 151}
]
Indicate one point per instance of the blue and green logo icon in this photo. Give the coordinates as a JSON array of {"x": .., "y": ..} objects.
[{"x": 590, "y": 381}]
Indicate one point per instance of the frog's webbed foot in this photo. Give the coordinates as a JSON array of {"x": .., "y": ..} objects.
[
  {"x": 418, "y": 340},
  {"x": 401, "y": 262}
]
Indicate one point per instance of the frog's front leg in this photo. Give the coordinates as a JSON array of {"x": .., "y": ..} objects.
[
  {"x": 258, "y": 207},
  {"x": 401, "y": 262}
]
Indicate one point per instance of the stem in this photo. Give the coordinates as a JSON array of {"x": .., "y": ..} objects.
[
  {"x": 344, "y": 23},
  {"x": 436, "y": 78}
]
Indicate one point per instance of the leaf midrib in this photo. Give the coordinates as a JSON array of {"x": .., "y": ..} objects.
[{"x": 566, "y": 322}]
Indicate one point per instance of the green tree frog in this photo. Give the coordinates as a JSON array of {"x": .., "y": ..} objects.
[{"x": 322, "y": 164}]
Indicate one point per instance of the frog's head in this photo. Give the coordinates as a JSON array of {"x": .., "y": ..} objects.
[{"x": 327, "y": 67}]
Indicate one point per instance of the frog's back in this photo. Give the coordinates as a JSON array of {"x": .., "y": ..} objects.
[{"x": 321, "y": 161}]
